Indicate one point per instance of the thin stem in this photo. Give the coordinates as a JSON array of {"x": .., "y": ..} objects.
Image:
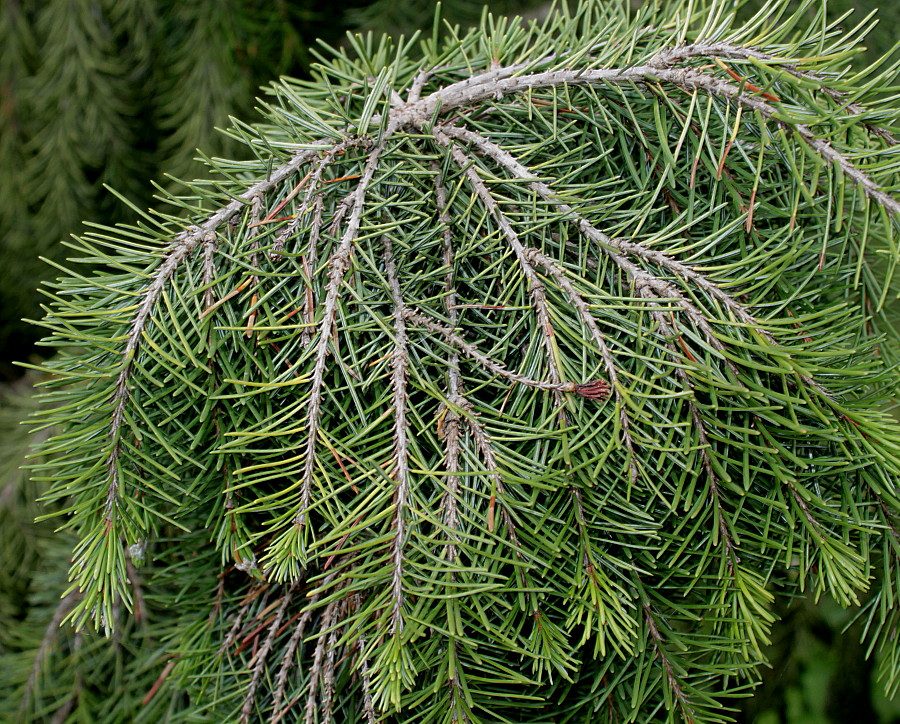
[
  {"x": 671, "y": 677},
  {"x": 309, "y": 266},
  {"x": 366, "y": 681},
  {"x": 715, "y": 494},
  {"x": 417, "y": 85},
  {"x": 486, "y": 450},
  {"x": 470, "y": 350},
  {"x": 328, "y": 672},
  {"x": 591, "y": 567},
  {"x": 449, "y": 430}
]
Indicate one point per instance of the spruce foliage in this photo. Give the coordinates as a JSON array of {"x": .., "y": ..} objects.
[{"x": 509, "y": 381}]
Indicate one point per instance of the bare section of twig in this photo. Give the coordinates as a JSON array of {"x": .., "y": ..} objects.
[{"x": 449, "y": 420}]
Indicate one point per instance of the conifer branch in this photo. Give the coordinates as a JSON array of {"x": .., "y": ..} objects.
[
  {"x": 449, "y": 427},
  {"x": 486, "y": 450},
  {"x": 495, "y": 84},
  {"x": 690, "y": 80},
  {"x": 261, "y": 188},
  {"x": 145, "y": 386},
  {"x": 670, "y": 675},
  {"x": 469, "y": 91},
  {"x": 368, "y": 705},
  {"x": 731, "y": 556},
  {"x": 255, "y": 592},
  {"x": 589, "y": 563},
  {"x": 470, "y": 350},
  {"x": 121, "y": 394},
  {"x": 587, "y": 319},
  {"x": 184, "y": 245},
  {"x": 328, "y": 689},
  {"x": 449, "y": 432},
  {"x": 287, "y": 659},
  {"x": 417, "y": 85},
  {"x": 519, "y": 171},
  {"x": 399, "y": 382},
  {"x": 648, "y": 285},
  {"x": 671, "y": 56},
  {"x": 329, "y": 615},
  {"x": 313, "y": 181},
  {"x": 535, "y": 286},
  {"x": 338, "y": 265},
  {"x": 259, "y": 667}
]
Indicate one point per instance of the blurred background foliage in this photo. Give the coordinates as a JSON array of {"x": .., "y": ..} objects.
[{"x": 117, "y": 93}]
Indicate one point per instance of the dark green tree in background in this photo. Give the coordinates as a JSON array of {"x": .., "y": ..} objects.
[
  {"x": 115, "y": 93},
  {"x": 521, "y": 375}
]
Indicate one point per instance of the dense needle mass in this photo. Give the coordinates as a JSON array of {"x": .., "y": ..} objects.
[{"x": 510, "y": 382}]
